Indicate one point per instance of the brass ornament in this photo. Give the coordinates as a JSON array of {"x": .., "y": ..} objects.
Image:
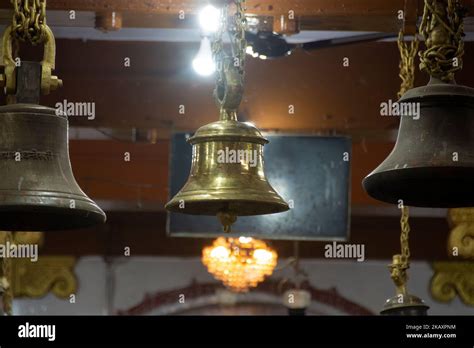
[
  {"x": 461, "y": 237},
  {"x": 227, "y": 177},
  {"x": 53, "y": 274},
  {"x": 432, "y": 163},
  {"x": 452, "y": 279}
]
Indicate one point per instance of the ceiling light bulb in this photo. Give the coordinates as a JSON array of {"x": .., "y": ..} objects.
[
  {"x": 203, "y": 63},
  {"x": 209, "y": 19}
]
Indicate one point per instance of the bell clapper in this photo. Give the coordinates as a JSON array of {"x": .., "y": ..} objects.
[{"x": 227, "y": 219}]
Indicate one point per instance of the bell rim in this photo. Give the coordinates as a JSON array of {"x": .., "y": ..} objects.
[
  {"x": 266, "y": 207},
  {"x": 383, "y": 175}
]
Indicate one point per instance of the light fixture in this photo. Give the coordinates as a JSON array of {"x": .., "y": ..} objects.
[
  {"x": 203, "y": 63},
  {"x": 240, "y": 263},
  {"x": 209, "y": 19}
]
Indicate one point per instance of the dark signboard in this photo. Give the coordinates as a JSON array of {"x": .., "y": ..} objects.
[{"x": 312, "y": 173}]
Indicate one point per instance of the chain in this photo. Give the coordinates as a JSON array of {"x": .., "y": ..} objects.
[
  {"x": 442, "y": 28},
  {"x": 239, "y": 44},
  {"x": 405, "y": 227},
  {"x": 217, "y": 46},
  {"x": 7, "y": 279},
  {"x": 401, "y": 262},
  {"x": 407, "y": 63},
  {"x": 29, "y": 20},
  {"x": 230, "y": 67}
]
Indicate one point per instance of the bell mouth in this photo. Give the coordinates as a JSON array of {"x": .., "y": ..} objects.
[
  {"x": 51, "y": 214},
  {"x": 432, "y": 187},
  {"x": 196, "y": 203},
  {"x": 47, "y": 218}
]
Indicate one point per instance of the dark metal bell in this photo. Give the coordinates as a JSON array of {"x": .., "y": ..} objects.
[
  {"x": 38, "y": 191},
  {"x": 406, "y": 305},
  {"x": 432, "y": 163}
]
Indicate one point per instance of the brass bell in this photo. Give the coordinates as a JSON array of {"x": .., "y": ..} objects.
[
  {"x": 432, "y": 163},
  {"x": 220, "y": 182},
  {"x": 38, "y": 191}
]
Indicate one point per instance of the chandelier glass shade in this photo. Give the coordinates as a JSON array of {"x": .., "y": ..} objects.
[{"x": 240, "y": 263}]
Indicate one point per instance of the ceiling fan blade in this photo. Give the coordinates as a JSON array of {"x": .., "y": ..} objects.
[{"x": 346, "y": 40}]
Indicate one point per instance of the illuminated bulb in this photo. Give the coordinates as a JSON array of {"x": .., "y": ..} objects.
[
  {"x": 203, "y": 63},
  {"x": 245, "y": 240},
  {"x": 262, "y": 255},
  {"x": 220, "y": 252},
  {"x": 209, "y": 19},
  {"x": 240, "y": 263}
]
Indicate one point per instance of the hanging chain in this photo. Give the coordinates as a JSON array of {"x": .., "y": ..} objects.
[
  {"x": 407, "y": 62},
  {"x": 239, "y": 44},
  {"x": 442, "y": 28},
  {"x": 405, "y": 227},
  {"x": 401, "y": 262},
  {"x": 7, "y": 279},
  {"x": 230, "y": 66},
  {"x": 29, "y": 20}
]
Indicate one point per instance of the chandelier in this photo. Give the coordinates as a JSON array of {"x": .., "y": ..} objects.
[{"x": 240, "y": 263}]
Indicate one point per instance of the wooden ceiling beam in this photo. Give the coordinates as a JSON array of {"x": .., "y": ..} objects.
[
  {"x": 345, "y": 15},
  {"x": 257, "y": 7}
]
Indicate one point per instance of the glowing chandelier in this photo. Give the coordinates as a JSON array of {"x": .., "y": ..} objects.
[{"x": 240, "y": 263}]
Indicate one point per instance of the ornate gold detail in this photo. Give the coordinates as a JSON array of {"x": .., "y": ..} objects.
[
  {"x": 451, "y": 279},
  {"x": 461, "y": 238},
  {"x": 49, "y": 273}
]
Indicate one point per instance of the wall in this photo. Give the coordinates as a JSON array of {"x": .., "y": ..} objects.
[{"x": 367, "y": 284}]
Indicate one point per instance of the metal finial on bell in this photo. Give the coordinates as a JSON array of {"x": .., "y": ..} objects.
[{"x": 219, "y": 181}]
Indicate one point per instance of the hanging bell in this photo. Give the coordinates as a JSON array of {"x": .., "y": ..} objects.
[
  {"x": 227, "y": 174},
  {"x": 38, "y": 191},
  {"x": 432, "y": 163},
  {"x": 227, "y": 177}
]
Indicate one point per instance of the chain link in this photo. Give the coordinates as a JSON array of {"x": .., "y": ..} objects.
[
  {"x": 234, "y": 26},
  {"x": 401, "y": 262},
  {"x": 7, "y": 279},
  {"x": 442, "y": 28},
  {"x": 407, "y": 62},
  {"x": 29, "y": 20},
  {"x": 405, "y": 227}
]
